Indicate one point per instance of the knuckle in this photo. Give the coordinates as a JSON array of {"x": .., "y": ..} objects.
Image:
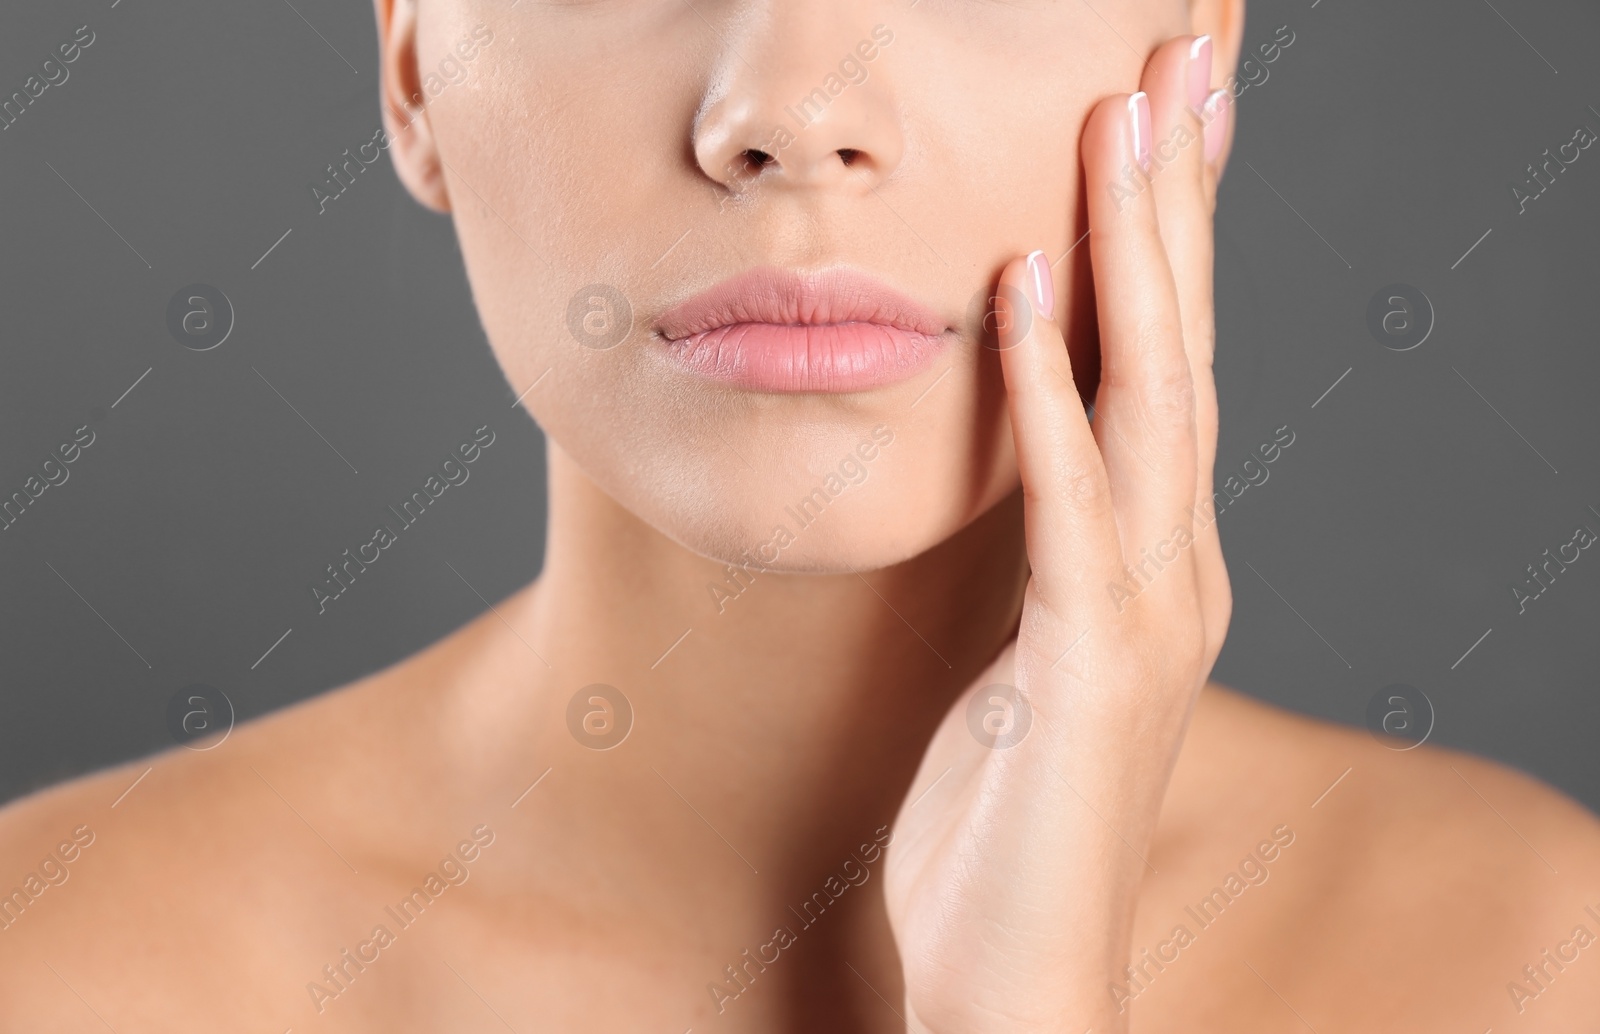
[
  {"x": 1079, "y": 483},
  {"x": 1167, "y": 391},
  {"x": 1081, "y": 489}
]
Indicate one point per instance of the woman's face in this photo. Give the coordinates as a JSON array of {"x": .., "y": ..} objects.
[{"x": 608, "y": 161}]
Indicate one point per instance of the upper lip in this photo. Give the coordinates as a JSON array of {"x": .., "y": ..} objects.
[{"x": 785, "y": 297}]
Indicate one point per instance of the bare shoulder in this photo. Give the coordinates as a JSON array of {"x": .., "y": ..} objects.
[
  {"x": 1448, "y": 889},
  {"x": 229, "y": 861},
  {"x": 109, "y": 863}
]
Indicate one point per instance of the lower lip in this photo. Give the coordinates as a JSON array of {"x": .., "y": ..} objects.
[{"x": 800, "y": 358}]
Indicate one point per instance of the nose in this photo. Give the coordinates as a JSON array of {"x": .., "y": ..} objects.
[{"x": 802, "y": 99}]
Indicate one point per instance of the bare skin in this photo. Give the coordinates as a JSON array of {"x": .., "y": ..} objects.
[
  {"x": 1404, "y": 903},
  {"x": 806, "y": 744}
]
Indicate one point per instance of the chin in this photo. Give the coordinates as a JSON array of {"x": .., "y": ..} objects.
[{"x": 870, "y": 500}]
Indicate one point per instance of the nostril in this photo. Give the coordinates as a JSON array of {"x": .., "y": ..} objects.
[
  {"x": 749, "y": 163},
  {"x": 848, "y": 155}
]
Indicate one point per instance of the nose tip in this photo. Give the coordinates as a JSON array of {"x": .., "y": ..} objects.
[{"x": 778, "y": 126}]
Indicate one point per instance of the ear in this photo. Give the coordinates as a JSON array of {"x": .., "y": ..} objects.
[
  {"x": 1223, "y": 21},
  {"x": 412, "y": 146}
]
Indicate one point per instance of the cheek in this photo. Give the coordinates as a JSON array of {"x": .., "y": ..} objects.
[{"x": 565, "y": 184}]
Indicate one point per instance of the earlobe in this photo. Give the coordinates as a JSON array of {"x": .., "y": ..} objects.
[{"x": 412, "y": 146}]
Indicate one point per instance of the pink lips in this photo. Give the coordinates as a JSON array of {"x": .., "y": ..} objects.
[{"x": 778, "y": 331}]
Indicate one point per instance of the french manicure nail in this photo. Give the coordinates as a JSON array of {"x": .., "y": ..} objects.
[
  {"x": 1218, "y": 110},
  {"x": 1139, "y": 118},
  {"x": 1199, "y": 70},
  {"x": 1044, "y": 288}
]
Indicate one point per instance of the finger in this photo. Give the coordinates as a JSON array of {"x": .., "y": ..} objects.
[
  {"x": 1068, "y": 510},
  {"x": 1144, "y": 419},
  {"x": 1177, "y": 81},
  {"x": 1217, "y": 116}
]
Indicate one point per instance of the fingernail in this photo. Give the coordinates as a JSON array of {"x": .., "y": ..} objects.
[
  {"x": 1199, "y": 70},
  {"x": 1044, "y": 288},
  {"x": 1139, "y": 119},
  {"x": 1218, "y": 110}
]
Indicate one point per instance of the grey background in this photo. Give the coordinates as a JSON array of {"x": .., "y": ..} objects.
[{"x": 1380, "y": 147}]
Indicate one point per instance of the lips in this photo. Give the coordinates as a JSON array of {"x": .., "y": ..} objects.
[{"x": 775, "y": 330}]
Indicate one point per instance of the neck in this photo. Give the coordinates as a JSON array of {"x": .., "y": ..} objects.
[{"x": 789, "y": 711}]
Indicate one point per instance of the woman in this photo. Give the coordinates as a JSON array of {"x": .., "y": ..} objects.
[{"x": 865, "y": 686}]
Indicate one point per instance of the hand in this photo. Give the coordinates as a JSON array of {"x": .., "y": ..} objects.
[{"x": 1012, "y": 882}]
